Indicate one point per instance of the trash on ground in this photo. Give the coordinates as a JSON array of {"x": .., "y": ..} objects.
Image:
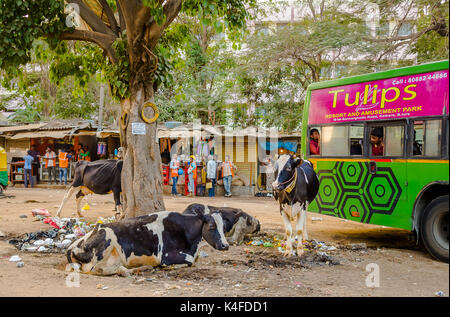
[
  {"x": 15, "y": 258},
  {"x": 62, "y": 234},
  {"x": 316, "y": 218},
  {"x": 358, "y": 246},
  {"x": 20, "y": 264},
  {"x": 40, "y": 212},
  {"x": 439, "y": 294}
]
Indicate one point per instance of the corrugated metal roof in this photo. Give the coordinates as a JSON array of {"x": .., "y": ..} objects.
[
  {"x": 41, "y": 134},
  {"x": 27, "y": 127}
]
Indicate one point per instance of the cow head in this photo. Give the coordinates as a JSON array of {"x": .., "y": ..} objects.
[
  {"x": 87, "y": 250},
  {"x": 212, "y": 231},
  {"x": 285, "y": 172}
]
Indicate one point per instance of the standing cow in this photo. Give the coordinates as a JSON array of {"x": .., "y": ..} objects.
[
  {"x": 99, "y": 177},
  {"x": 162, "y": 238},
  {"x": 296, "y": 186}
]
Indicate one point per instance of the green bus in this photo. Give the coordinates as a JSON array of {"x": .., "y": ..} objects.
[{"x": 379, "y": 145}]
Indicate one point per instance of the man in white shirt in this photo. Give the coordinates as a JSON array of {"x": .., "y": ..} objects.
[
  {"x": 227, "y": 174},
  {"x": 211, "y": 174},
  {"x": 50, "y": 164}
]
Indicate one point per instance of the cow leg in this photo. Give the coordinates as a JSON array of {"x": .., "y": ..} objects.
[
  {"x": 305, "y": 233},
  {"x": 118, "y": 204},
  {"x": 66, "y": 197},
  {"x": 79, "y": 198},
  {"x": 300, "y": 225},
  {"x": 178, "y": 257},
  {"x": 288, "y": 231}
]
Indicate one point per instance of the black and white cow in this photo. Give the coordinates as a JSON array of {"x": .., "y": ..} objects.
[
  {"x": 162, "y": 238},
  {"x": 98, "y": 177},
  {"x": 236, "y": 223},
  {"x": 296, "y": 185}
]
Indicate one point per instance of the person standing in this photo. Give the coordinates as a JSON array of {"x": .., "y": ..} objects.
[
  {"x": 211, "y": 175},
  {"x": 50, "y": 164},
  {"x": 36, "y": 156},
  {"x": 192, "y": 174},
  {"x": 270, "y": 175},
  {"x": 28, "y": 175},
  {"x": 86, "y": 154},
  {"x": 227, "y": 174},
  {"x": 174, "y": 167},
  {"x": 63, "y": 165}
]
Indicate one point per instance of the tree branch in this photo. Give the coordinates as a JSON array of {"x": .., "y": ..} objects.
[
  {"x": 91, "y": 18},
  {"x": 402, "y": 38},
  {"x": 121, "y": 18},
  {"x": 105, "y": 41},
  {"x": 154, "y": 31},
  {"x": 110, "y": 15},
  {"x": 129, "y": 10}
]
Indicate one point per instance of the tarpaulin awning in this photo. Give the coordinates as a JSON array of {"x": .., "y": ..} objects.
[
  {"x": 41, "y": 134},
  {"x": 275, "y": 145}
]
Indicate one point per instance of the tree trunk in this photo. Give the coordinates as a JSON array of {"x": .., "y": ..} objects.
[{"x": 141, "y": 174}]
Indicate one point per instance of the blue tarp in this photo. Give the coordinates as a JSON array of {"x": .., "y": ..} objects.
[{"x": 270, "y": 146}]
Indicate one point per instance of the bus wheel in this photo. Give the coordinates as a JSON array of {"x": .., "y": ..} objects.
[{"x": 434, "y": 228}]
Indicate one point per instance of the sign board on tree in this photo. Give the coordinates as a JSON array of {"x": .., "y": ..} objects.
[{"x": 138, "y": 128}]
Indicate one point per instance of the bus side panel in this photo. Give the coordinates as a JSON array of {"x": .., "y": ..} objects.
[{"x": 349, "y": 191}]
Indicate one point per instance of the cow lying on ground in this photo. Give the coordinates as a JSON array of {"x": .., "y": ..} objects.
[
  {"x": 236, "y": 223},
  {"x": 296, "y": 185},
  {"x": 162, "y": 238},
  {"x": 98, "y": 177}
]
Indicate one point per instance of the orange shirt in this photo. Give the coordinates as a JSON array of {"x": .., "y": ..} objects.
[{"x": 63, "y": 159}]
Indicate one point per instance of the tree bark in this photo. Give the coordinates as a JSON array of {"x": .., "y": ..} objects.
[{"x": 141, "y": 173}]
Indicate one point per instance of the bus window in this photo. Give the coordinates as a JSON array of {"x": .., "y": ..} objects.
[
  {"x": 394, "y": 140},
  {"x": 433, "y": 138},
  {"x": 419, "y": 129},
  {"x": 356, "y": 135},
  {"x": 335, "y": 141},
  {"x": 376, "y": 141},
  {"x": 314, "y": 141}
]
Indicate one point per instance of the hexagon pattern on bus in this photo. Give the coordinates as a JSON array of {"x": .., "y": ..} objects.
[
  {"x": 349, "y": 191},
  {"x": 329, "y": 194},
  {"x": 383, "y": 191}
]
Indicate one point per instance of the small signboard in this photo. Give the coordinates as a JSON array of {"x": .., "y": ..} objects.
[{"x": 138, "y": 128}]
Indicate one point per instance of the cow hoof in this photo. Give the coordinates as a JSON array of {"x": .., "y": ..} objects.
[
  {"x": 287, "y": 253},
  {"x": 300, "y": 252}
]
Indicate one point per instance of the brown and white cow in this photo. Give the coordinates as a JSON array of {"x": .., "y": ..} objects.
[
  {"x": 295, "y": 187},
  {"x": 236, "y": 223},
  {"x": 158, "y": 239}
]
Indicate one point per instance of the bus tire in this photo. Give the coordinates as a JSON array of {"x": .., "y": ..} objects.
[{"x": 434, "y": 228}]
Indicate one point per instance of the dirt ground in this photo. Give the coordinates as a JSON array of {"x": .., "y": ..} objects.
[{"x": 245, "y": 270}]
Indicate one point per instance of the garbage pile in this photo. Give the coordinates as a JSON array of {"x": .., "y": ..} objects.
[
  {"x": 280, "y": 244},
  {"x": 56, "y": 240},
  {"x": 316, "y": 251}
]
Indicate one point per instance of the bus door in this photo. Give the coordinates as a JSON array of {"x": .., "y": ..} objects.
[{"x": 386, "y": 188}]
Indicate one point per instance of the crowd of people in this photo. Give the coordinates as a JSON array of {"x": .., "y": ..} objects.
[
  {"x": 214, "y": 168},
  {"x": 54, "y": 163}
]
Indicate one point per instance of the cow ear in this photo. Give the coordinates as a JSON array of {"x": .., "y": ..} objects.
[
  {"x": 96, "y": 229},
  {"x": 297, "y": 162}
]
